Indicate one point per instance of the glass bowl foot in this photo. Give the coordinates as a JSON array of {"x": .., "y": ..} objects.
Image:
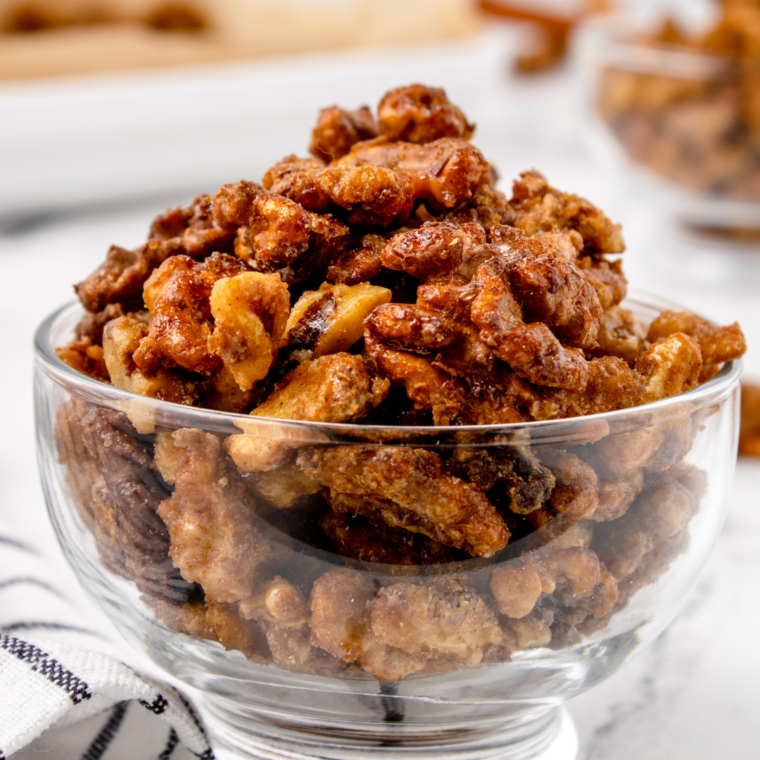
[{"x": 236, "y": 736}]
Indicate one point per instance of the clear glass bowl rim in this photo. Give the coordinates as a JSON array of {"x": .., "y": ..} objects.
[
  {"x": 611, "y": 36},
  {"x": 714, "y": 389}
]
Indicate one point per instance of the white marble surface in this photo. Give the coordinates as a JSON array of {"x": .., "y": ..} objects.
[{"x": 695, "y": 693}]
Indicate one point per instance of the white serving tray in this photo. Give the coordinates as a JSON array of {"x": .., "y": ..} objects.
[{"x": 78, "y": 141}]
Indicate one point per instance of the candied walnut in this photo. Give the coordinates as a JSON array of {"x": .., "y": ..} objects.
[
  {"x": 413, "y": 493},
  {"x": 420, "y": 114},
  {"x": 409, "y": 327},
  {"x": 444, "y": 172},
  {"x": 125, "y": 497},
  {"x": 533, "y": 630},
  {"x": 616, "y": 495},
  {"x": 436, "y": 248},
  {"x": 360, "y": 264},
  {"x": 281, "y": 610},
  {"x": 749, "y": 435},
  {"x": 120, "y": 278},
  {"x": 371, "y": 196},
  {"x": 356, "y": 536},
  {"x": 425, "y": 385},
  {"x": 84, "y": 357},
  {"x": 670, "y": 366},
  {"x": 331, "y": 319},
  {"x": 605, "y": 277},
  {"x": 575, "y": 492},
  {"x": 189, "y": 618},
  {"x": 660, "y": 513},
  {"x": 621, "y": 334},
  {"x": 554, "y": 291},
  {"x": 611, "y": 385},
  {"x": 177, "y": 296},
  {"x": 516, "y": 586},
  {"x": 121, "y": 338},
  {"x": 334, "y": 388},
  {"x": 284, "y": 486},
  {"x": 250, "y": 312},
  {"x": 574, "y": 575},
  {"x": 540, "y": 208},
  {"x": 91, "y": 326},
  {"x": 339, "y": 623},
  {"x": 222, "y": 393},
  {"x": 487, "y": 206},
  {"x": 515, "y": 467},
  {"x": 232, "y": 632},
  {"x": 534, "y": 353},
  {"x": 279, "y": 231},
  {"x": 717, "y": 344},
  {"x": 295, "y": 178},
  {"x": 337, "y": 130},
  {"x": 209, "y": 516},
  {"x": 444, "y": 618}
]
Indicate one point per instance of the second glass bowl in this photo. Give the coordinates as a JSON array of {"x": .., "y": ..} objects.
[{"x": 682, "y": 123}]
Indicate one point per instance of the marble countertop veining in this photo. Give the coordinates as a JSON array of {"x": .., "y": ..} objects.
[{"x": 694, "y": 694}]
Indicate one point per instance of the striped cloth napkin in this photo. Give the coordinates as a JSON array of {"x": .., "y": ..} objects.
[{"x": 62, "y": 690}]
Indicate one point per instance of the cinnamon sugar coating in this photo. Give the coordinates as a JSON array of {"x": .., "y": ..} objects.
[{"x": 351, "y": 314}]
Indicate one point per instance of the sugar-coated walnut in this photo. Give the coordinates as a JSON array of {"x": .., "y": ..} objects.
[
  {"x": 421, "y": 114},
  {"x": 337, "y": 130},
  {"x": 575, "y": 492},
  {"x": 435, "y": 248},
  {"x": 250, "y": 312},
  {"x": 339, "y": 622},
  {"x": 426, "y": 386},
  {"x": 210, "y": 516},
  {"x": 444, "y": 173},
  {"x": 414, "y": 493},
  {"x": 621, "y": 334},
  {"x": 717, "y": 344},
  {"x": 442, "y": 618},
  {"x": 670, "y": 366},
  {"x": 616, "y": 495},
  {"x": 410, "y": 327},
  {"x": 82, "y": 356},
  {"x": 121, "y": 338},
  {"x": 359, "y": 264},
  {"x": 606, "y": 278},
  {"x": 611, "y": 385},
  {"x": 333, "y": 388},
  {"x": 233, "y": 632},
  {"x": 177, "y": 296},
  {"x": 658, "y": 514},
  {"x": 125, "y": 494},
  {"x": 121, "y": 277},
  {"x": 572, "y": 575},
  {"x": 538, "y": 207}
]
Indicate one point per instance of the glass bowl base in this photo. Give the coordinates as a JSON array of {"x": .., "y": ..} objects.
[{"x": 235, "y": 736}]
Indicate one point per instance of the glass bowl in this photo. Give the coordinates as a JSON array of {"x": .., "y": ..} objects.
[
  {"x": 682, "y": 124},
  {"x": 312, "y": 632}
]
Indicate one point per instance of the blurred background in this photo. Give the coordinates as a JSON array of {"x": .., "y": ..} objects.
[{"x": 113, "y": 110}]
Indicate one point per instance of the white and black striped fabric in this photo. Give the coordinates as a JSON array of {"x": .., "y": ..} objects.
[{"x": 63, "y": 693}]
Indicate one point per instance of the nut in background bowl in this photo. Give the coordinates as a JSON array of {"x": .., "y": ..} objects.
[
  {"x": 680, "y": 122},
  {"x": 309, "y": 632}
]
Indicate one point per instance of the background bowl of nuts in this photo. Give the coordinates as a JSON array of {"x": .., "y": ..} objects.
[
  {"x": 375, "y": 456},
  {"x": 676, "y": 108}
]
